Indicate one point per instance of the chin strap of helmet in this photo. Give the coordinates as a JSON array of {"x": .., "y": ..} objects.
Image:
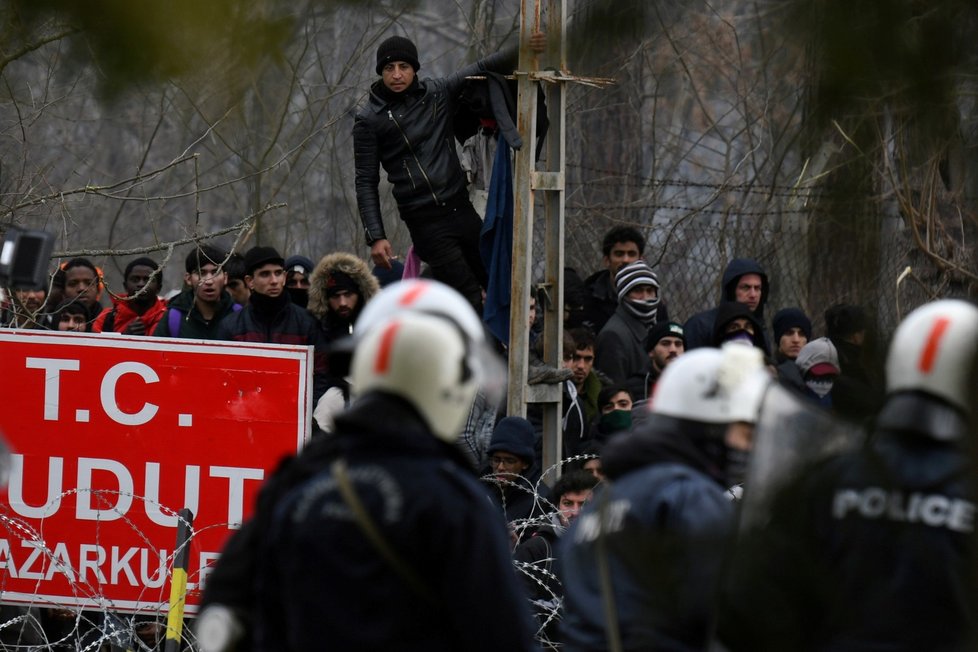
[{"x": 362, "y": 518}]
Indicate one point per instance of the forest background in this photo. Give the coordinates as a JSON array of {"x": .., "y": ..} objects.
[{"x": 834, "y": 143}]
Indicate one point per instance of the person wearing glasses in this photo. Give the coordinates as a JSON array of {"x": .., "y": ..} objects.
[{"x": 514, "y": 474}]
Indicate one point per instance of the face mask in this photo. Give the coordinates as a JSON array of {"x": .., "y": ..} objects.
[
  {"x": 820, "y": 385},
  {"x": 616, "y": 420},
  {"x": 299, "y": 296},
  {"x": 644, "y": 311},
  {"x": 740, "y": 337}
]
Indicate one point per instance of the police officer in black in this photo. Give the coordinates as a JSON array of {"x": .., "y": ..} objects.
[{"x": 874, "y": 549}]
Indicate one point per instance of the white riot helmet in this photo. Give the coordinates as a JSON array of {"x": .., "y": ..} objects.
[
  {"x": 713, "y": 385},
  {"x": 421, "y": 295},
  {"x": 933, "y": 351},
  {"x": 422, "y": 341}
]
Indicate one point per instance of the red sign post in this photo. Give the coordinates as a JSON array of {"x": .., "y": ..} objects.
[{"x": 113, "y": 435}]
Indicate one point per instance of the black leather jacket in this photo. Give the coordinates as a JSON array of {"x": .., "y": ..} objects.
[{"x": 413, "y": 139}]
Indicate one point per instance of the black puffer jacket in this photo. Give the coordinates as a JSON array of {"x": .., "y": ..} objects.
[
  {"x": 413, "y": 139},
  {"x": 281, "y": 322}
]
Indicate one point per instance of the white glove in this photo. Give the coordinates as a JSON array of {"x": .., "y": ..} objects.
[{"x": 329, "y": 404}]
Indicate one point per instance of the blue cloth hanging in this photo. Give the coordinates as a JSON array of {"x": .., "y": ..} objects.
[{"x": 496, "y": 243}]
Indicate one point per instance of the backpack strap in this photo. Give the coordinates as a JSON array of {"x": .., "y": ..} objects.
[{"x": 173, "y": 319}]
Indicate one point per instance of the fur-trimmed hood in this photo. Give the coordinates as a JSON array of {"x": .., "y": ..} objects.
[{"x": 344, "y": 262}]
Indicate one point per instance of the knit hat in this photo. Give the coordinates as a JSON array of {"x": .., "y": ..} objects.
[
  {"x": 299, "y": 264},
  {"x": 397, "y": 48},
  {"x": 258, "y": 256},
  {"x": 789, "y": 318},
  {"x": 338, "y": 281},
  {"x": 514, "y": 435},
  {"x": 818, "y": 357},
  {"x": 664, "y": 329},
  {"x": 144, "y": 262},
  {"x": 633, "y": 275}
]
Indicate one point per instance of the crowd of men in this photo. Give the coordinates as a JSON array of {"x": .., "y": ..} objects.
[{"x": 420, "y": 517}]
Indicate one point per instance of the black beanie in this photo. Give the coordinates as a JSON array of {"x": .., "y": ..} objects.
[
  {"x": 664, "y": 329},
  {"x": 259, "y": 256},
  {"x": 397, "y": 48},
  {"x": 514, "y": 435},
  {"x": 338, "y": 281},
  {"x": 791, "y": 318},
  {"x": 145, "y": 262}
]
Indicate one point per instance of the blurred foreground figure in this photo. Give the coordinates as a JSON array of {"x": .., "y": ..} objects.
[
  {"x": 640, "y": 565},
  {"x": 379, "y": 536},
  {"x": 873, "y": 549}
]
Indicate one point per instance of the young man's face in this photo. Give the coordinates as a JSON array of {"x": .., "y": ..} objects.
[
  {"x": 139, "y": 277},
  {"x": 297, "y": 280},
  {"x": 642, "y": 293},
  {"x": 620, "y": 255},
  {"x": 398, "y": 75},
  {"x": 343, "y": 303},
  {"x": 666, "y": 350},
  {"x": 570, "y": 505},
  {"x": 239, "y": 291},
  {"x": 72, "y": 322},
  {"x": 593, "y": 466},
  {"x": 792, "y": 342},
  {"x": 31, "y": 300},
  {"x": 268, "y": 280},
  {"x": 748, "y": 290},
  {"x": 620, "y": 401},
  {"x": 505, "y": 465},
  {"x": 581, "y": 363},
  {"x": 207, "y": 282},
  {"x": 81, "y": 284},
  {"x": 739, "y": 324}
]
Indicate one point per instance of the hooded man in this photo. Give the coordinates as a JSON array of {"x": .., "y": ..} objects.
[
  {"x": 298, "y": 269},
  {"x": 736, "y": 322},
  {"x": 141, "y": 309},
  {"x": 339, "y": 288},
  {"x": 620, "y": 351},
  {"x": 818, "y": 365},
  {"x": 744, "y": 281},
  {"x": 407, "y": 129}
]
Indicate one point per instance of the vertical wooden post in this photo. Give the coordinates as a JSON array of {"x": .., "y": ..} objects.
[{"x": 546, "y": 177}]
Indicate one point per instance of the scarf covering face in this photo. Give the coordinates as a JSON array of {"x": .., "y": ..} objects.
[
  {"x": 644, "y": 311},
  {"x": 630, "y": 277}
]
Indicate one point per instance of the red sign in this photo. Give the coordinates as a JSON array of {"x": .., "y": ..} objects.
[{"x": 113, "y": 435}]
